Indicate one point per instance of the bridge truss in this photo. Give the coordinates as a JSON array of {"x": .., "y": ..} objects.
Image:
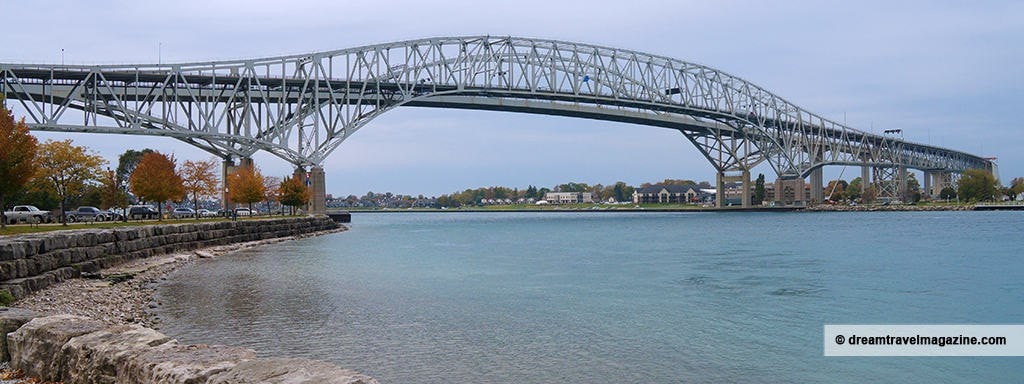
[{"x": 302, "y": 107}]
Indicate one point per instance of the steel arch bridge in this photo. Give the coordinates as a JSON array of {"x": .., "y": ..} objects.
[{"x": 302, "y": 107}]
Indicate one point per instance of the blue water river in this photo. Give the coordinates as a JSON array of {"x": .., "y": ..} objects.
[{"x": 612, "y": 297}]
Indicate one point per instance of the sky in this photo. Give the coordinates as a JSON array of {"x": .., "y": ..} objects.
[{"x": 946, "y": 73}]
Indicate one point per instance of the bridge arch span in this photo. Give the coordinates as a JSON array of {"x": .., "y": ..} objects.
[{"x": 302, "y": 107}]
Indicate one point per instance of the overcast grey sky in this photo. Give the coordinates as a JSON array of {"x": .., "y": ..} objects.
[{"x": 947, "y": 73}]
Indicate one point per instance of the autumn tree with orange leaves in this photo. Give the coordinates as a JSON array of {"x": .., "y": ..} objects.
[
  {"x": 17, "y": 155},
  {"x": 155, "y": 179},
  {"x": 245, "y": 186},
  {"x": 65, "y": 170},
  {"x": 293, "y": 193},
  {"x": 200, "y": 180}
]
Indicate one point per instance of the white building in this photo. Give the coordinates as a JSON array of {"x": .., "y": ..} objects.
[{"x": 569, "y": 197}]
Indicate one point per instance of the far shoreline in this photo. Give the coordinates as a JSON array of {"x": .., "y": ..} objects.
[{"x": 814, "y": 208}]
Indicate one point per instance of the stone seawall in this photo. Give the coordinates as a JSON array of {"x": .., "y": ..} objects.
[
  {"x": 29, "y": 263},
  {"x": 74, "y": 349}
]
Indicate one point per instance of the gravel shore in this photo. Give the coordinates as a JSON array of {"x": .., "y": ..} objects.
[{"x": 124, "y": 294}]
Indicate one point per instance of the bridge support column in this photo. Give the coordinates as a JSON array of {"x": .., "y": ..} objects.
[
  {"x": 927, "y": 189},
  {"x": 318, "y": 191},
  {"x": 789, "y": 191},
  {"x": 891, "y": 183},
  {"x": 865, "y": 178},
  {"x": 940, "y": 180},
  {"x": 719, "y": 189},
  {"x": 229, "y": 167},
  {"x": 817, "y": 186},
  {"x": 902, "y": 191},
  {"x": 743, "y": 178}
]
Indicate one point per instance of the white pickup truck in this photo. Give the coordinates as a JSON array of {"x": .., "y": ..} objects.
[{"x": 27, "y": 214}]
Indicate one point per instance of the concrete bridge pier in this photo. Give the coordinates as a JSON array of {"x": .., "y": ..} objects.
[
  {"x": 940, "y": 180},
  {"x": 927, "y": 188},
  {"x": 227, "y": 168},
  {"x": 865, "y": 178},
  {"x": 789, "y": 191},
  {"x": 745, "y": 185},
  {"x": 817, "y": 186},
  {"x": 318, "y": 191},
  {"x": 314, "y": 181}
]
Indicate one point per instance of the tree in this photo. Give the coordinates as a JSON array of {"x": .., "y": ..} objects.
[
  {"x": 947, "y": 193},
  {"x": 155, "y": 179},
  {"x": 245, "y": 186},
  {"x": 1016, "y": 187},
  {"x": 126, "y": 164},
  {"x": 293, "y": 193},
  {"x": 836, "y": 189},
  {"x": 65, "y": 169},
  {"x": 977, "y": 185},
  {"x": 759, "y": 192},
  {"x": 271, "y": 186},
  {"x": 111, "y": 194},
  {"x": 573, "y": 187},
  {"x": 622, "y": 191},
  {"x": 853, "y": 190},
  {"x": 913, "y": 188},
  {"x": 531, "y": 192},
  {"x": 199, "y": 179},
  {"x": 869, "y": 194},
  {"x": 17, "y": 155}
]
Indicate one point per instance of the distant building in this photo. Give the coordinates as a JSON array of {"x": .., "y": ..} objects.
[
  {"x": 569, "y": 197},
  {"x": 672, "y": 193}
]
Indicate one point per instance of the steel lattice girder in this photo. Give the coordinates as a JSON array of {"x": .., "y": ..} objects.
[{"x": 302, "y": 107}]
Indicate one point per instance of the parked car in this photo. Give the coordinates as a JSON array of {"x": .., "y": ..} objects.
[
  {"x": 203, "y": 212},
  {"x": 243, "y": 212},
  {"x": 115, "y": 214},
  {"x": 139, "y": 212},
  {"x": 180, "y": 213},
  {"x": 85, "y": 213},
  {"x": 27, "y": 214}
]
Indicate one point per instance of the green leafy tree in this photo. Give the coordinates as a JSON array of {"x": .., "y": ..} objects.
[
  {"x": 759, "y": 191},
  {"x": 913, "y": 188},
  {"x": 947, "y": 193},
  {"x": 573, "y": 187},
  {"x": 1016, "y": 187},
  {"x": 65, "y": 170},
  {"x": 126, "y": 164},
  {"x": 292, "y": 193},
  {"x": 531, "y": 192},
  {"x": 156, "y": 179},
  {"x": 17, "y": 156},
  {"x": 622, "y": 191},
  {"x": 854, "y": 189},
  {"x": 977, "y": 185}
]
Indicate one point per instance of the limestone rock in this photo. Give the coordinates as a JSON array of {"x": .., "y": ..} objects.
[
  {"x": 10, "y": 320},
  {"x": 35, "y": 347},
  {"x": 289, "y": 371},
  {"x": 102, "y": 356},
  {"x": 183, "y": 363}
]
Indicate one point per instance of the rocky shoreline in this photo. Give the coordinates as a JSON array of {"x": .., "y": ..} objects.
[
  {"x": 124, "y": 294},
  {"x": 882, "y": 208}
]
